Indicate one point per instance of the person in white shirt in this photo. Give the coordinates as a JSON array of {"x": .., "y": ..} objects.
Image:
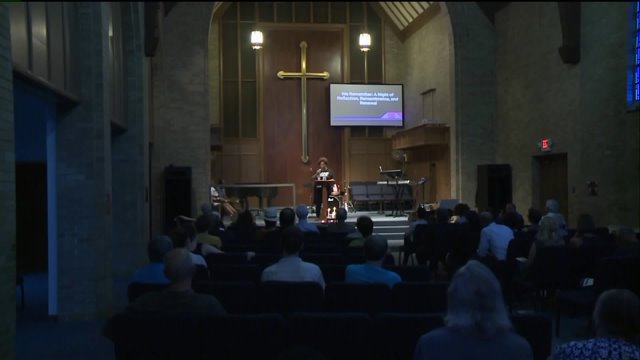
[
  {"x": 494, "y": 238},
  {"x": 291, "y": 267}
]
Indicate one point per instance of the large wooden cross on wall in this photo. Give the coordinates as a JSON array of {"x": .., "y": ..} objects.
[{"x": 303, "y": 75}]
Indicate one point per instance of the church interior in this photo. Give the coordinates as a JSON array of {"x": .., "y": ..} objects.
[{"x": 116, "y": 117}]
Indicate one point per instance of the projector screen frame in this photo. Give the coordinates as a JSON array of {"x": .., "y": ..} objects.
[{"x": 396, "y": 114}]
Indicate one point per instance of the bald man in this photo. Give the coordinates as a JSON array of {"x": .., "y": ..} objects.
[{"x": 179, "y": 296}]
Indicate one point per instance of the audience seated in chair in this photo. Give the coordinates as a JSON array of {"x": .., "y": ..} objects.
[
  {"x": 533, "y": 216},
  {"x": 364, "y": 227},
  {"x": 302, "y": 212},
  {"x": 511, "y": 217},
  {"x": 494, "y": 238},
  {"x": 341, "y": 225},
  {"x": 203, "y": 225},
  {"x": 585, "y": 232},
  {"x": 375, "y": 250},
  {"x": 179, "y": 296},
  {"x": 477, "y": 324},
  {"x": 616, "y": 319},
  {"x": 627, "y": 242},
  {"x": 291, "y": 267},
  {"x": 153, "y": 273},
  {"x": 548, "y": 235},
  {"x": 553, "y": 210}
]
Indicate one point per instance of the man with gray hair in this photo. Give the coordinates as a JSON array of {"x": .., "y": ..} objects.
[
  {"x": 552, "y": 207},
  {"x": 477, "y": 325}
]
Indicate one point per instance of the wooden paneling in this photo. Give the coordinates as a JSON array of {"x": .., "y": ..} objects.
[
  {"x": 282, "y": 111},
  {"x": 56, "y": 42},
  {"x": 428, "y": 156},
  {"x": 422, "y": 135},
  {"x": 19, "y": 34},
  {"x": 39, "y": 44},
  {"x": 367, "y": 155},
  {"x": 240, "y": 161}
]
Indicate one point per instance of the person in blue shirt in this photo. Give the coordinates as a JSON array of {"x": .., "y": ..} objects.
[
  {"x": 302, "y": 213},
  {"x": 153, "y": 273},
  {"x": 371, "y": 272}
]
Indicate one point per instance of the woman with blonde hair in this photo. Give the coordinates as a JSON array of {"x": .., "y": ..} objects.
[{"x": 548, "y": 235}]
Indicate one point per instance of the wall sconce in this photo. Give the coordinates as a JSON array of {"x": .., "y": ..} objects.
[
  {"x": 365, "y": 42},
  {"x": 256, "y": 40}
]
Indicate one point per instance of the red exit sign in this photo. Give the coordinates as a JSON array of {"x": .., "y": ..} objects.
[{"x": 545, "y": 144}]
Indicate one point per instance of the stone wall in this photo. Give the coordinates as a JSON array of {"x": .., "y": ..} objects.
[{"x": 580, "y": 107}]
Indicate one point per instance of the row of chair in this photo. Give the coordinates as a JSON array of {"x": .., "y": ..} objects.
[
  {"x": 331, "y": 272},
  {"x": 286, "y": 297},
  {"x": 319, "y": 258},
  {"x": 269, "y": 336}
]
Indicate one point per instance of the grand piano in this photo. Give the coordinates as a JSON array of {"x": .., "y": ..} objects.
[{"x": 243, "y": 191}]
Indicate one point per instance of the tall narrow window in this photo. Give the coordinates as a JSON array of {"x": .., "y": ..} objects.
[
  {"x": 633, "y": 93},
  {"x": 428, "y": 106}
]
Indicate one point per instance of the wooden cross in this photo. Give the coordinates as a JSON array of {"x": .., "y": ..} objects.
[{"x": 303, "y": 75}]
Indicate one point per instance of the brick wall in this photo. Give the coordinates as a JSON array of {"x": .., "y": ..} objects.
[
  {"x": 7, "y": 194},
  {"x": 130, "y": 155},
  {"x": 84, "y": 178},
  {"x": 181, "y": 103}
]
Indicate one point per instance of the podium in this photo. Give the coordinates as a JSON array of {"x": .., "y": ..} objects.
[{"x": 325, "y": 196}]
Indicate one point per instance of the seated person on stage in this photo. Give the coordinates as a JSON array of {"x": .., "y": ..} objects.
[
  {"x": 291, "y": 267},
  {"x": 322, "y": 173},
  {"x": 153, "y": 273},
  {"x": 371, "y": 272},
  {"x": 221, "y": 203},
  {"x": 364, "y": 225},
  {"x": 341, "y": 225},
  {"x": 616, "y": 319},
  {"x": 477, "y": 325},
  {"x": 179, "y": 296},
  {"x": 494, "y": 238},
  {"x": 203, "y": 225},
  {"x": 302, "y": 213}
]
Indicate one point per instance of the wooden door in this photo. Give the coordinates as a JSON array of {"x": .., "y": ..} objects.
[{"x": 550, "y": 179}]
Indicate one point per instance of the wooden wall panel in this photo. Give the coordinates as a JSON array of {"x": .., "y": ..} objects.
[{"x": 282, "y": 111}]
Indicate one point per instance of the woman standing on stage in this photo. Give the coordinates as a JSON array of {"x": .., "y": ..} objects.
[{"x": 323, "y": 173}]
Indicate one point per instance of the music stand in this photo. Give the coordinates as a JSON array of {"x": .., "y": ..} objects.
[
  {"x": 325, "y": 195},
  {"x": 393, "y": 178}
]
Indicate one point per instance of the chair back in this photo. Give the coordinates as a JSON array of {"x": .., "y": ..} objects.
[
  {"x": 156, "y": 336},
  {"x": 396, "y": 335},
  {"x": 537, "y": 329},
  {"x": 233, "y": 272},
  {"x": 237, "y": 297},
  {"x": 419, "y": 297},
  {"x": 357, "y": 297},
  {"x": 290, "y": 296},
  {"x": 334, "y": 335},
  {"x": 246, "y": 336}
]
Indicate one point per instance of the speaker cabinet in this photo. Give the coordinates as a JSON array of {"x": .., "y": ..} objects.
[
  {"x": 177, "y": 193},
  {"x": 494, "y": 187}
]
